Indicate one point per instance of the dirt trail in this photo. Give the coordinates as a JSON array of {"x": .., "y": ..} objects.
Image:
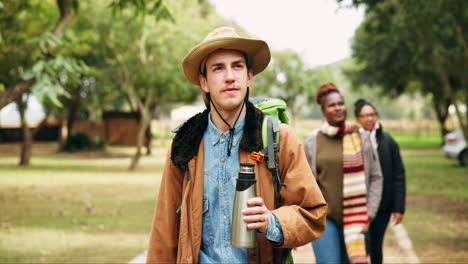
[
  {"x": 397, "y": 249},
  {"x": 394, "y": 252},
  {"x": 305, "y": 254}
]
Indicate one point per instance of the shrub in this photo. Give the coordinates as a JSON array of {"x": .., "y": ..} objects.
[{"x": 81, "y": 141}]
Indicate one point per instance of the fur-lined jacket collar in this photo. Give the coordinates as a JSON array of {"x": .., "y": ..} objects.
[{"x": 187, "y": 140}]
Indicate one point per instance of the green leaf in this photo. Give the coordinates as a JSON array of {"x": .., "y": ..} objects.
[
  {"x": 42, "y": 46},
  {"x": 164, "y": 14},
  {"x": 27, "y": 75},
  {"x": 157, "y": 5},
  {"x": 54, "y": 99},
  {"x": 38, "y": 67}
]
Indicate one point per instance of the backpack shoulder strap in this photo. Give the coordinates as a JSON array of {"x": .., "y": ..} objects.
[
  {"x": 271, "y": 147},
  {"x": 270, "y": 138}
]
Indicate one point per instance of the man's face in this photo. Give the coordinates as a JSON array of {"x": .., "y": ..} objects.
[
  {"x": 227, "y": 79},
  {"x": 334, "y": 109}
]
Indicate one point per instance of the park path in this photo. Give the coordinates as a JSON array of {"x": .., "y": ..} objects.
[{"x": 400, "y": 251}]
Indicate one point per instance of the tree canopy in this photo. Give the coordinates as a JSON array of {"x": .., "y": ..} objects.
[{"x": 404, "y": 46}]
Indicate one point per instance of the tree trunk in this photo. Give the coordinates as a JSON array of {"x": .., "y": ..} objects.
[
  {"x": 66, "y": 15},
  {"x": 461, "y": 120},
  {"x": 148, "y": 134},
  {"x": 61, "y": 137},
  {"x": 144, "y": 122},
  {"x": 442, "y": 74},
  {"x": 135, "y": 159},
  {"x": 148, "y": 138},
  {"x": 466, "y": 113},
  {"x": 26, "y": 144},
  {"x": 73, "y": 110},
  {"x": 461, "y": 41},
  {"x": 14, "y": 92},
  {"x": 441, "y": 109}
]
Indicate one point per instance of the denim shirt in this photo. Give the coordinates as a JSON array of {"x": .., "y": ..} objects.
[{"x": 220, "y": 175}]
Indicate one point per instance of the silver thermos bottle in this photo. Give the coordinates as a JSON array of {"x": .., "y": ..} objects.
[{"x": 241, "y": 236}]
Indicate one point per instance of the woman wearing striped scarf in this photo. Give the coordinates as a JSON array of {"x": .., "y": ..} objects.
[{"x": 349, "y": 177}]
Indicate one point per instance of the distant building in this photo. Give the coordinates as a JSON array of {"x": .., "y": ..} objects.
[{"x": 185, "y": 112}]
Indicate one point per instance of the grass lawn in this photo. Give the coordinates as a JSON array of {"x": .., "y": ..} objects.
[
  {"x": 76, "y": 208},
  {"x": 437, "y": 200},
  {"x": 88, "y": 208},
  {"x": 418, "y": 140},
  {"x": 437, "y": 204}
]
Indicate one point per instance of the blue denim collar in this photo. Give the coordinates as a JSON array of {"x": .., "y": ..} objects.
[{"x": 215, "y": 135}]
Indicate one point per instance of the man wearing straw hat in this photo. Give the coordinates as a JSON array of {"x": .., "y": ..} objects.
[{"x": 192, "y": 221}]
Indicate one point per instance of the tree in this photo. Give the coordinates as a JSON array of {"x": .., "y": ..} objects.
[
  {"x": 288, "y": 78},
  {"x": 23, "y": 20},
  {"x": 143, "y": 56},
  {"x": 403, "y": 46},
  {"x": 17, "y": 53},
  {"x": 36, "y": 57}
]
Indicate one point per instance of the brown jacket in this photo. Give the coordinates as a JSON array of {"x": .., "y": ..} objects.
[{"x": 177, "y": 225}]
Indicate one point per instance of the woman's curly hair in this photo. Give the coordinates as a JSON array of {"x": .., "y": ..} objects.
[{"x": 324, "y": 90}]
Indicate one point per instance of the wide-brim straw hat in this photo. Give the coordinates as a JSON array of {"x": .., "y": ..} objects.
[{"x": 257, "y": 51}]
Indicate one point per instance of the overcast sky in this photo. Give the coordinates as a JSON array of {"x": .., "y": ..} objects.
[{"x": 317, "y": 29}]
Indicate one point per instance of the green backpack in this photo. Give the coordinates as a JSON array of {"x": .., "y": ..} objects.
[{"x": 275, "y": 113}]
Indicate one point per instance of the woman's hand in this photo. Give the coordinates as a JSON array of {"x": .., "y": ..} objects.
[
  {"x": 350, "y": 127},
  {"x": 365, "y": 228},
  {"x": 397, "y": 218}
]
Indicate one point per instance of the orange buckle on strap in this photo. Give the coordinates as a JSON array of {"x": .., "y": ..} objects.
[{"x": 258, "y": 156}]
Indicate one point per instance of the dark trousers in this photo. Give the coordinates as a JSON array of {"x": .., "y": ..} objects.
[{"x": 376, "y": 236}]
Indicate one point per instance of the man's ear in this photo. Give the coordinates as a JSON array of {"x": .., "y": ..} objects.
[
  {"x": 203, "y": 83},
  {"x": 249, "y": 78}
]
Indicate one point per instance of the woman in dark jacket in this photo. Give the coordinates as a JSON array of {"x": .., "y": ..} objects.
[{"x": 392, "y": 204}]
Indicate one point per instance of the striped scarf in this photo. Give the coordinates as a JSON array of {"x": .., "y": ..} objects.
[{"x": 354, "y": 194}]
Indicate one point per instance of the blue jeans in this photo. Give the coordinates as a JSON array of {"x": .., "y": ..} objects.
[{"x": 330, "y": 247}]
